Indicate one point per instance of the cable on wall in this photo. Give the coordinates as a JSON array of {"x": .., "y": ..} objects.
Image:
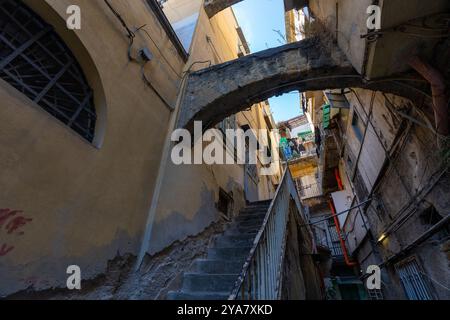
[
  {"x": 131, "y": 36},
  {"x": 159, "y": 50}
]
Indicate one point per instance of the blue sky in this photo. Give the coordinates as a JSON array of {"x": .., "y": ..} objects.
[{"x": 262, "y": 22}]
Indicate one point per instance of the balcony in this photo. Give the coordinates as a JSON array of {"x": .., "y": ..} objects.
[{"x": 310, "y": 191}]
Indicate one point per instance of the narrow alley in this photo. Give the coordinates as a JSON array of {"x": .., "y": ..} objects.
[{"x": 224, "y": 150}]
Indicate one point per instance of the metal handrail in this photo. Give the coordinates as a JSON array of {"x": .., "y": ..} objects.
[{"x": 260, "y": 278}]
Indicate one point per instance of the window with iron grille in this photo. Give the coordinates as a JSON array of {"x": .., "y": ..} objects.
[
  {"x": 336, "y": 249},
  {"x": 375, "y": 294},
  {"x": 35, "y": 61},
  {"x": 412, "y": 277}
]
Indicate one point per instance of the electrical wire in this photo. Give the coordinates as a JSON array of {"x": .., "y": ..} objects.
[
  {"x": 425, "y": 125},
  {"x": 132, "y": 36},
  {"x": 337, "y": 214},
  {"x": 195, "y": 63},
  {"x": 374, "y": 35},
  {"x": 402, "y": 219},
  {"x": 366, "y": 130},
  {"x": 119, "y": 17},
  {"x": 148, "y": 83},
  {"x": 159, "y": 50},
  {"x": 435, "y": 281},
  {"x": 403, "y": 29},
  {"x": 388, "y": 156}
]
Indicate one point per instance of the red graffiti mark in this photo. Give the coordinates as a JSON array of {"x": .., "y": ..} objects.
[
  {"x": 5, "y": 249},
  {"x": 17, "y": 223},
  {"x": 13, "y": 222},
  {"x": 5, "y": 214}
]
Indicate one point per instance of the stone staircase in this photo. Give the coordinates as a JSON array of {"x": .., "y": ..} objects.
[{"x": 213, "y": 278}]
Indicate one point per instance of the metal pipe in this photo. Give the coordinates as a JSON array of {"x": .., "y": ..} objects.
[
  {"x": 424, "y": 236},
  {"x": 438, "y": 88},
  {"x": 337, "y": 214},
  {"x": 342, "y": 242}
]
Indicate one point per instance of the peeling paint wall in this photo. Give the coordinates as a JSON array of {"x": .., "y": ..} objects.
[{"x": 404, "y": 186}]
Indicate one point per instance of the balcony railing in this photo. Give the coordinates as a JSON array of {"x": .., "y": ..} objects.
[
  {"x": 310, "y": 191},
  {"x": 261, "y": 276},
  {"x": 291, "y": 157}
]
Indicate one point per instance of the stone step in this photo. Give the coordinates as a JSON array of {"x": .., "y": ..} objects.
[
  {"x": 213, "y": 278},
  {"x": 233, "y": 253},
  {"x": 217, "y": 266},
  {"x": 250, "y": 216},
  {"x": 248, "y": 223},
  {"x": 260, "y": 203},
  {"x": 234, "y": 241},
  {"x": 255, "y": 210},
  {"x": 245, "y": 229},
  {"x": 181, "y": 295},
  {"x": 238, "y": 237},
  {"x": 197, "y": 282},
  {"x": 238, "y": 232}
]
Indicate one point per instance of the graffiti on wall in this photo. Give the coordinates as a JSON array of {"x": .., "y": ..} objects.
[{"x": 12, "y": 223}]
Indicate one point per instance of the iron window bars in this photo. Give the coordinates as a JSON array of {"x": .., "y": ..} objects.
[
  {"x": 413, "y": 280},
  {"x": 35, "y": 61}
]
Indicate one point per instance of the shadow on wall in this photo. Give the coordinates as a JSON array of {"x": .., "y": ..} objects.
[{"x": 176, "y": 227}]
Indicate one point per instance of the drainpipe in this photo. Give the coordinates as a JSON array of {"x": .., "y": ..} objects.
[
  {"x": 342, "y": 242},
  {"x": 338, "y": 179},
  {"x": 336, "y": 222},
  {"x": 438, "y": 89}
]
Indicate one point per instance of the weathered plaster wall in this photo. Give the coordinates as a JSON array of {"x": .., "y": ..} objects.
[
  {"x": 425, "y": 185},
  {"x": 413, "y": 182},
  {"x": 363, "y": 172},
  {"x": 301, "y": 280},
  {"x": 346, "y": 20},
  {"x": 383, "y": 123},
  {"x": 387, "y": 55},
  {"x": 390, "y": 53},
  {"x": 87, "y": 203},
  {"x": 190, "y": 193}
]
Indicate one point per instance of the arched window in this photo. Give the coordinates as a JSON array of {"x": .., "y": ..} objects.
[{"x": 35, "y": 60}]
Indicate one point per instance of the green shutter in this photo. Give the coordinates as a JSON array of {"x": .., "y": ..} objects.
[{"x": 326, "y": 116}]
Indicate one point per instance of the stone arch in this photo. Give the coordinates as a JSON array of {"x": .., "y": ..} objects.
[
  {"x": 212, "y": 7},
  {"x": 309, "y": 65},
  {"x": 55, "y": 15}
]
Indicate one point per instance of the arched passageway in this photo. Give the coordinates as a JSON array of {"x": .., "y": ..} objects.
[{"x": 309, "y": 65}]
